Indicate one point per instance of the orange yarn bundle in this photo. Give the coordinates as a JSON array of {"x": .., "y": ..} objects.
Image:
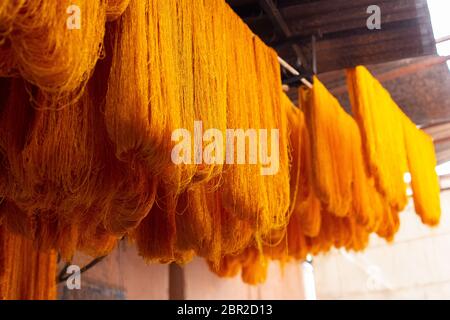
[
  {"x": 273, "y": 117},
  {"x": 307, "y": 206},
  {"x": 208, "y": 75},
  {"x": 115, "y": 8},
  {"x": 262, "y": 200},
  {"x": 156, "y": 235},
  {"x": 25, "y": 273},
  {"x": 7, "y": 63},
  {"x": 366, "y": 200},
  {"x": 202, "y": 223},
  {"x": 331, "y": 150},
  {"x": 242, "y": 191},
  {"x": 127, "y": 99},
  {"x": 351, "y": 193},
  {"x": 104, "y": 197},
  {"x": 339, "y": 233},
  {"x": 15, "y": 122},
  {"x": 379, "y": 120},
  {"x": 229, "y": 266},
  {"x": 48, "y": 50},
  {"x": 392, "y": 144},
  {"x": 254, "y": 266},
  {"x": 251, "y": 263},
  {"x": 296, "y": 125},
  {"x": 50, "y": 233},
  {"x": 236, "y": 234},
  {"x": 4, "y": 261},
  {"x": 194, "y": 222},
  {"x": 58, "y": 146},
  {"x": 297, "y": 242},
  {"x": 103, "y": 190},
  {"x": 153, "y": 89},
  {"x": 422, "y": 167}
]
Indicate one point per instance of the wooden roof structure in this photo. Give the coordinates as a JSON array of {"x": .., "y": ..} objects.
[{"x": 340, "y": 29}]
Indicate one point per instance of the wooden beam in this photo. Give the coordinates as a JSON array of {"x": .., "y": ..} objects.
[
  {"x": 401, "y": 71},
  {"x": 443, "y": 156},
  {"x": 443, "y": 39},
  {"x": 406, "y": 31},
  {"x": 275, "y": 17},
  {"x": 440, "y": 132},
  {"x": 281, "y": 26},
  {"x": 239, "y": 3},
  {"x": 176, "y": 282}
]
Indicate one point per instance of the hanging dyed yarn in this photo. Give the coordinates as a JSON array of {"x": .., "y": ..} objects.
[
  {"x": 16, "y": 118},
  {"x": 127, "y": 99},
  {"x": 207, "y": 76},
  {"x": 156, "y": 235},
  {"x": 251, "y": 263},
  {"x": 104, "y": 191},
  {"x": 293, "y": 242},
  {"x": 262, "y": 200},
  {"x": 242, "y": 192},
  {"x": 104, "y": 198},
  {"x": 203, "y": 225},
  {"x": 367, "y": 202},
  {"x": 115, "y": 8},
  {"x": 331, "y": 149},
  {"x": 307, "y": 206},
  {"x": 273, "y": 117},
  {"x": 338, "y": 232},
  {"x": 7, "y": 63},
  {"x": 25, "y": 273},
  {"x": 296, "y": 124},
  {"x": 229, "y": 266},
  {"x": 351, "y": 193},
  {"x": 52, "y": 46},
  {"x": 198, "y": 222},
  {"x": 175, "y": 84},
  {"x": 422, "y": 167},
  {"x": 379, "y": 120},
  {"x": 297, "y": 243},
  {"x": 4, "y": 263},
  {"x": 254, "y": 266}
]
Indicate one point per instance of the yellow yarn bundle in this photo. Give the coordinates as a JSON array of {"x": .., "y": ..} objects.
[
  {"x": 422, "y": 167},
  {"x": 48, "y": 48},
  {"x": 380, "y": 123},
  {"x": 25, "y": 273}
]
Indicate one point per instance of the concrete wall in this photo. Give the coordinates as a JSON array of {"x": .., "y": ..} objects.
[
  {"x": 282, "y": 283},
  {"x": 415, "y": 266},
  {"x": 121, "y": 275},
  {"x": 124, "y": 275}
]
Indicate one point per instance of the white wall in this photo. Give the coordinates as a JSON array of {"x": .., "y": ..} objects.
[{"x": 415, "y": 266}]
